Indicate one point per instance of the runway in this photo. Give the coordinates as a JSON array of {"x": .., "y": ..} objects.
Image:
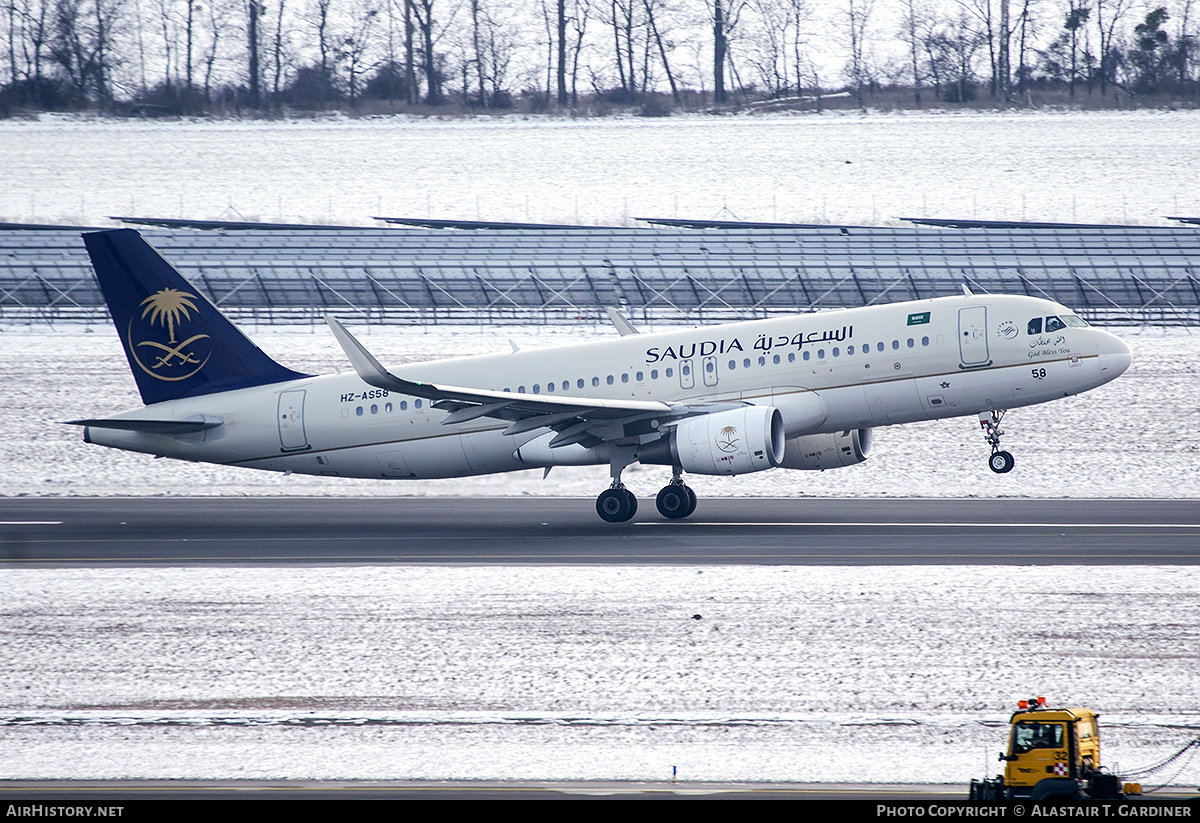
[{"x": 808, "y": 531}]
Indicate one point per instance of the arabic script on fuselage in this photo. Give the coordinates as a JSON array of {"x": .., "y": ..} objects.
[{"x": 765, "y": 343}]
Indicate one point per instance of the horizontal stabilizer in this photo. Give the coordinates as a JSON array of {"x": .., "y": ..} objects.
[{"x": 199, "y": 423}]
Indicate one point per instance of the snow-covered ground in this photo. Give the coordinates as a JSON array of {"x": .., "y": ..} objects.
[
  {"x": 889, "y": 675},
  {"x": 838, "y": 167}
]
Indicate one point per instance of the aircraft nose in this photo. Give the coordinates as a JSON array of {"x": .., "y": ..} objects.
[{"x": 1115, "y": 355}]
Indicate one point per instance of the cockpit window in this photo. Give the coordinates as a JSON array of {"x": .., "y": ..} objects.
[
  {"x": 1054, "y": 324},
  {"x": 1030, "y": 734},
  {"x": 1035, "y": 326},
  {"x": 1074, "y": 321}
]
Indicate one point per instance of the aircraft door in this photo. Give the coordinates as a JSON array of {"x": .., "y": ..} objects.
[
  {"x": 291, "y": 421},
  {"x": 687, "y": 377},
  {"x": 972, "y": 337},
  {"x": 709, "y": 365}
]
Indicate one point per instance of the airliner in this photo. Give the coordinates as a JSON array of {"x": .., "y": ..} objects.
[{"x": 799, "y": 392}]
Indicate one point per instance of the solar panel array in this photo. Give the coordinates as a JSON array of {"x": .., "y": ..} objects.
[{"x": 411, "y": 275}]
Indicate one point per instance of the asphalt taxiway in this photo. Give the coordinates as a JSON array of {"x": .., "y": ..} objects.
[{"x": 807, "y": 531}]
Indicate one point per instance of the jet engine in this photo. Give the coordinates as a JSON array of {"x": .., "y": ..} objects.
[
  {"x": 817, "y": 452},
  {"x": 737, "y": 441}
]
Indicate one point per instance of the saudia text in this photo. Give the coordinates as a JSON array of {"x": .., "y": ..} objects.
[{"x": 765, "y": 344}]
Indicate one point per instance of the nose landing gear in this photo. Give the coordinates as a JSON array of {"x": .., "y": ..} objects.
[{"x": 1001, "y": 462}]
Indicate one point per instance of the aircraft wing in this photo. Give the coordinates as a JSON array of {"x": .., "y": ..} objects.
[{"x": 585, "y": 420}]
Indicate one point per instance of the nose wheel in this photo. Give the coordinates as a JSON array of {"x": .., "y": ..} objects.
[{"x": 1001, "y": 462}]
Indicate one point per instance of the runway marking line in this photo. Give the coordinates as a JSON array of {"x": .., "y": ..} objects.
[{"x": 929, "y": 525}]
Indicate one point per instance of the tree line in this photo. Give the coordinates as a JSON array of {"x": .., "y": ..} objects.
[{"x": 183, "y": 57}]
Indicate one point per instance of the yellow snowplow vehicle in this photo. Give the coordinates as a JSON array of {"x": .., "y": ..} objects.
[{"x": 1053, "y": 754}]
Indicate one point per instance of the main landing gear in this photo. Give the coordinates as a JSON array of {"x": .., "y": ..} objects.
[
  {"x": 617, "y": 504},
  {"x": 675, "y": 500},
  {"x": 1001, "y": 462}
]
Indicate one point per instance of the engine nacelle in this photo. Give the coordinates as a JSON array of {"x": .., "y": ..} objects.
[
  {"x": 738, "y": 441},
  {"x": 817, "y": 452}
]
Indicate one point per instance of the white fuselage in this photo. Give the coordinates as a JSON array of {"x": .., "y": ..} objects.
[{"x": 871, "y": 366}]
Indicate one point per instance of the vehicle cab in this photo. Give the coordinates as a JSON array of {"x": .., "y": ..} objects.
[{"x": 1050, "y": 743}]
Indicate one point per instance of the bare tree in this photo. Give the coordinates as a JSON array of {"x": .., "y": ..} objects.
[
  {"x": 1185, "y": 40},
  {"x": 82, "y": 45},
  {"x": 423, "y": 12},
  {"x": 857, "y": 22},
  {"x": 220, "y": 15},
  {"x": 720, "y": 28},
  {"x": 1109, "y": 14},
  {"x": 964, "y": 40},
  {"x": 650, "y": 6},
  {"x": 776, "y": 42},
  {"x": 356, "y": 46},
  {"x": 254, "y": 9},
  {"x": 983, "y": 12},
  {"x": 578, "y": 23},
  {"x": 914, "y": 17}
]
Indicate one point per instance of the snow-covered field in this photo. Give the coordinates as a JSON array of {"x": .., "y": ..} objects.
[
  {"x": 727, "y": 673},
  {"x": 839, "y": 167}
]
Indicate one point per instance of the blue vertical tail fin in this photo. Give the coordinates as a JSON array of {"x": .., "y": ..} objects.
[{"x": 177, "y": 342}]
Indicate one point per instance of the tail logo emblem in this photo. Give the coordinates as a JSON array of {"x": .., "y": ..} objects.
[{"x": 170, "y": 359}]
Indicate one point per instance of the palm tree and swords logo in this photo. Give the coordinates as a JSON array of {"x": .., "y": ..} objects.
[
  {"x": 727, "y": 440},
  {"x": 173, "y": 360}
]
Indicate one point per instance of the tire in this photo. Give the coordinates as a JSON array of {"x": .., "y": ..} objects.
[
  {"x": 674, "y": 503},
  {"x": 1001, "y": 462},
  {"x": 632, "y": 501},
  {"x": 616, "y": 505},
  {"x": 1056, "y": 790}
]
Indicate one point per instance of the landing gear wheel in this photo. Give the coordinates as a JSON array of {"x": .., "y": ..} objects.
[
  {"x": 616, "y": 505},
  {"x": 1001, "y": 462},
  {"x": 675, "y": 502}
]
